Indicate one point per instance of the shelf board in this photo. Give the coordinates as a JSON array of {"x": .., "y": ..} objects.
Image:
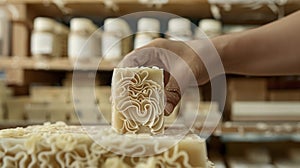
[
  {"x": 259, "y": 128},
  {"x": 255, "y": 131},
  {"x": 24, "y": 70},
  {"x": 15, "y": 124},
  {"x": 102, "y": 1},
  {"x": 61, "y": 64},
  {"x": 190, "y": 8}
]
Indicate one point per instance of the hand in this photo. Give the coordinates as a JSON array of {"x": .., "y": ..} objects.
[{"x": 182, "y": 67}]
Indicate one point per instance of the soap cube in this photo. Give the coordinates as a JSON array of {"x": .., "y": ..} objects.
[{"x": 138, "y": 100}]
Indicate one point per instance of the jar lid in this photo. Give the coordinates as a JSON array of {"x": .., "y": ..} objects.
[
  {"x": 149, "y": 24},
  {"x": 43, "y": 24},
  {"x": 82, "y": 24},
  {"x": 210, "y": 25},
  {"x": 116, "y": 25},
  {"x": 179, "y": 25}
]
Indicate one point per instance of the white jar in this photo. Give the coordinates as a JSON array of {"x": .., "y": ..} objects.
[
  {"x": 84, "y": 41},
  {"x": 4, "y": 33},
  {"x": 210, "y": 27},
  {"x": 148, "y": 29},
  {"x": 62, "y": 33},
  {"x": 179, "y": 29},
  {"x": 116, "y": 40},
  {"x": 43, "y": 38}
]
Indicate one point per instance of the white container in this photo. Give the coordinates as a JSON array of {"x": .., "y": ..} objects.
[
  {"x": 84, "y": 41},
  {"x": 62, "y": 33},
  {"x": 116, "y": 40},
  {"x": 148, "y": 29},
  {"x": 179, "y": 29},
  {"x": 4, "y": 33},
  {"x": 36, "y": 112},
  {"x": 43, "y": 40},
  {"x": 210, "y": 27}
]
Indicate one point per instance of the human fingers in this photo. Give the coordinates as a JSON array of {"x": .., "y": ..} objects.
[
  {"x": 172, "y": 95},
  {"x": 148, "y": 57}
]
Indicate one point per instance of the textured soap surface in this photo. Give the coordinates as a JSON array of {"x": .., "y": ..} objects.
[
  {"x": 138, "y": 100},
  {"x": 60, "y": 145}
]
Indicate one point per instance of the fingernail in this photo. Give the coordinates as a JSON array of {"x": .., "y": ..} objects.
[{"x": 169, "y": 109}]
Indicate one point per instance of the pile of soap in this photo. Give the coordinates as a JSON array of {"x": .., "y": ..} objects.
[
  {"x": 60, "y": 145},
  {"x": 136, "y": 138}
]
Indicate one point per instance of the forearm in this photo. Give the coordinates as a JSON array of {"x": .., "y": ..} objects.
[{"x": 273, "y": 49}]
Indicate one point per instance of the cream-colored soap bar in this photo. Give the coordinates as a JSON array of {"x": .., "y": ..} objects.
[
  {"x": 265, "y": 111},
  {"x": 50, "y": 94},
  {"x": 138, "y": 100},
  {"x": 103, "y": 94},
  {"x": 59, "y": 111},
  {"x": 59, "y": 145},
  {"x": 16, "y": 108}
]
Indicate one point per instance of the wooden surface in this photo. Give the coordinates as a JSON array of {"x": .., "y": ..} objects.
[
  {"x": 24, "y": 70},
  {"x": 102, "y": 1},
  {"x": 257, "y": 128},
  {"x": 54, "y": 64},
  {"x": 191, "y": 8}
]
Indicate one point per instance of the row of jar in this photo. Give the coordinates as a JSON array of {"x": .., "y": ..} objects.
[{"x": 85, "y": 40}]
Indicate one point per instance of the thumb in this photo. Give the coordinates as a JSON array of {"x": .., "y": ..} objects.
[{"x": 172, "y": 95}]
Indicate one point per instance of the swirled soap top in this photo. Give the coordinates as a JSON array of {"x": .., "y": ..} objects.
[{"x": 138, "y": 100}]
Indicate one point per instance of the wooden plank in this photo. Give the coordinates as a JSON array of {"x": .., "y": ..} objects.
[
  {"x": 191, "y": 8},
  {"x": 102, "y": 1},
  {"x": 54, "y": 64},
  {"x": 21, "y": 70}
]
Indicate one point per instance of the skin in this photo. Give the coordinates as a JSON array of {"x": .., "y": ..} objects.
[{"x": 270, "y": 50}]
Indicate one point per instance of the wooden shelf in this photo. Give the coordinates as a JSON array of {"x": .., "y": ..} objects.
[
  {"x": 102, "y": 1},
  {"x": 99, "y": 9},
  {"x": 254, "y": 130},
  {"x": 15, "y": 124},
  {"x": 61, "y": 64},
  {"x": 260, "y": 128},
  {"x": 24, "y": 70},
  {"x": 191, "y": 8}
]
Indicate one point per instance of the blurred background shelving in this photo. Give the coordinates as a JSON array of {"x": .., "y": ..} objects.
[{"x": 36, "y": 91}]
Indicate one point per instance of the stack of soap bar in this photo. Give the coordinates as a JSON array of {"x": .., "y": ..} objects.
[
  {"x": 265, "y": 111},
  {"x": 59, "y": 145},
  {"x": 138, "y": 100}
]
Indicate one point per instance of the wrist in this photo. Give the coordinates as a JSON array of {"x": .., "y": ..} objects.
[
  {"x": 221, "y": 44},
  {"x": 209, "y": 63}
]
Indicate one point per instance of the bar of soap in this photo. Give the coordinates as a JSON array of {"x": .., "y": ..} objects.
[
  {"x": 265, "y": 111},
  {"x": 60, "y": 145},
  {"x": 138, "y": 100}
]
